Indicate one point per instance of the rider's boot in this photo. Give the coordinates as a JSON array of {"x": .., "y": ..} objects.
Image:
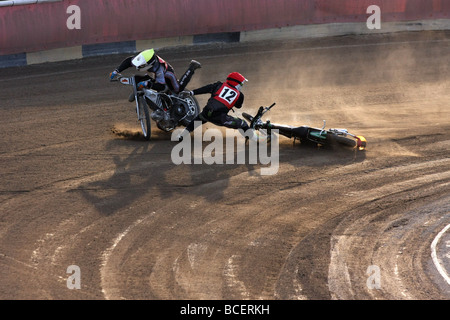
[
  {"x": 194, "y": 65},
  {"x": 131, "y": 97}
]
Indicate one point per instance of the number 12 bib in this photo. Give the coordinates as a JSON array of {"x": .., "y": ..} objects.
[{"x": 227, "y": 95}]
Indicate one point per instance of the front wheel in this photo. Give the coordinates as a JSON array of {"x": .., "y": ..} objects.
[{"x": 144, "y": 117}]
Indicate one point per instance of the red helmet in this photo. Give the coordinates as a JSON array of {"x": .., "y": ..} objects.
[{"x": 235, "y": 78}]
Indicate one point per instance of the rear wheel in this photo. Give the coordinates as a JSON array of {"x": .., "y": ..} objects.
[
  {"x": 144, "y": 118},
  {"x": 343, "y": 140}
]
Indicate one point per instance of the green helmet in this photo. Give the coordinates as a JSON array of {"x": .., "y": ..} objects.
[{"x": 146, "y": 58}]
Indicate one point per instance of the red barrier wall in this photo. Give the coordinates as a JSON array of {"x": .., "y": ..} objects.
[{"x": 29, "y": 28}]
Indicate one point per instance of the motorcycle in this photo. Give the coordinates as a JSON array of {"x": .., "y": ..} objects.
[
  {"x": 168, "y": 109},
  {"x": 306, "y": 134}
]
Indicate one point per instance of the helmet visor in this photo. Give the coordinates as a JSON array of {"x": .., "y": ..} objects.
[{"x": 240, "y": 85}]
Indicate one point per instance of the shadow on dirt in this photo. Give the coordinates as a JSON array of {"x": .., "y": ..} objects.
[
  {"x": 144, "y": 169},
  {"x": 312, "y": 155}
]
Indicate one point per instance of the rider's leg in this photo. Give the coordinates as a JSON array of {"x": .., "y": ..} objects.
[
  {"x": 140, "y": 78},
  {"x": 188, "y": 74},
  {"x": 233, "y": 123},
  {"x": 237, "y": 123},
  {"x": 172, "y": 81}
]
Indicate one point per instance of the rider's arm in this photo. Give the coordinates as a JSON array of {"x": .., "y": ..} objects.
[
  {"x": 160, "y": 81},
  {"x": 209, "y": 88},
  {"x": 240, "y": 101},
  {"x": 126, "y": 63}
]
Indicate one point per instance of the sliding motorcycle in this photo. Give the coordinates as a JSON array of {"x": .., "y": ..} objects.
[
  {"x": 167, "y": 109},
  {"x": 307, "y": 134}
]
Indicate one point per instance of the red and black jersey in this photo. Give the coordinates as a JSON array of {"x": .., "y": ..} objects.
[
  {"x": 223, "y": 96},
  {"x": 227, "y": 95}
]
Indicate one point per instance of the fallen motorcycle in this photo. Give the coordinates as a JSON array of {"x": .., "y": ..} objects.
[
  {"x": 168, "y": 110},
  {"x": 306, "y": 134}
]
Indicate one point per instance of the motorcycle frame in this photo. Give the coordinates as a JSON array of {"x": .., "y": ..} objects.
[{"x": 315, "y": 135}]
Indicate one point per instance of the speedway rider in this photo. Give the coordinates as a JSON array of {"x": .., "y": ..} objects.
[
  {"x": 224, "y": 96},
  {"x": 165, "y": 77}
]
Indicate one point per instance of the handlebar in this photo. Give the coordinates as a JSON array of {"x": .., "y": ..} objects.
[
  {"x": 261, "y": 112},
  {"x": 117, "y": 78}
]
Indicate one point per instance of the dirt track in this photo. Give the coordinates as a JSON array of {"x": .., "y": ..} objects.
[{"x": 79, "y": 187}]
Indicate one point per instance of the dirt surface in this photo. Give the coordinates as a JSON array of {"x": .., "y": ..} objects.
[{"x": 79, "y": 186}]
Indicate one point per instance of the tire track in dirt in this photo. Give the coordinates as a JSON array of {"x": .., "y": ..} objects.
[{"x": 382, "y": 226}]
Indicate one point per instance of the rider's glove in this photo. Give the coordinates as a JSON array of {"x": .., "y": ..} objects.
[
  {"x": 141, "y": 85},
  {"x": 113, "y": 74}
]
